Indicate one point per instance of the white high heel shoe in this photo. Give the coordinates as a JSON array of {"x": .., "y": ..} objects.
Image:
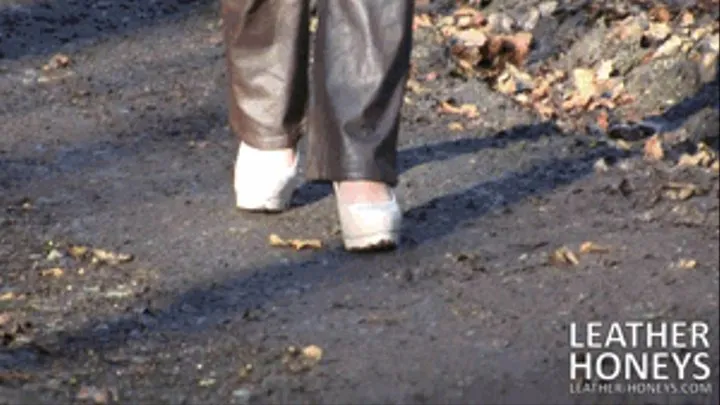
[
  {"x": 370, "y": 226},
  {"x": 260, "y": 188}
]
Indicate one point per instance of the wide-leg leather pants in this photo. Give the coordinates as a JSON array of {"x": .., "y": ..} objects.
[{"x": 360, "y": 67}]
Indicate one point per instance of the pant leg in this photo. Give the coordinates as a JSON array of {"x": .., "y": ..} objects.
[
  {"x": 361, "y": 63},
  {"x": 267, "y": 45}
]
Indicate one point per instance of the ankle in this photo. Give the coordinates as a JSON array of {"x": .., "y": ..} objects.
[
  {"x": 284, "y": 157},
  {"x": 363, "y": 192}
]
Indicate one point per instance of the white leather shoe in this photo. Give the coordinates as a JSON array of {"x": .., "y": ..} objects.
[
  {"x": 370, "y": 226},
  {"x": 262, "y": 188}
]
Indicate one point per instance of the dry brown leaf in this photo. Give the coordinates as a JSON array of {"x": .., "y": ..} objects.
[
  {"x": 312, "y": 352},
  {"x": 53, "y": 272},
  {"x": 58, "y": 61},
  {"x": 108, "y": 257},
  {"x": 592, "y": 247},
  {"x": 687, "y": 264},
  {"x": 584, "y": 81},
  {"x": 469, "y": 17},
  {"x": 603, "y": 120},
  {"x": 669, "y": 47},
  {"x": 431, "y": 76},
  {"x": 468, "y": 110},
  {"x": 660, "y": 13},
  {"x": 604, "y": 70},
  {"x": 7, "y": 296},
  {"x": 78, "y": 252},
  {"x": 564, "y": 256},
  {"x": 546, "y": 111},
  {"x": 506, "y": 84},
  {"x": 520, "y": 45},
  {"x": 456, "y": 126},
  {"x": 422, "y": 21},
  {"x": 623, "y": 144},
  {"x": 5, "y": 318},
  {"x": 472, "y": 37},
  {"x": 297, "y": 244},
  {"x": 585, "y": 89},
  {"x": 14, "y": 377},
  {"x": 601, "y": 103},
  {"x": 97, "y": 395},
  {"x": 653, "y": 149},
  {"x": 414, "y": 86},
  {"x": 703, "y": 158},
  {"x": 681, "y": 191},
  {"x": 541, "y": 88}
]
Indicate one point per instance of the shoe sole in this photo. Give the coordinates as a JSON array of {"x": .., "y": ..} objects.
[
  {"x": 271, "y": 207},
  {"x": 372, "y": 243}
]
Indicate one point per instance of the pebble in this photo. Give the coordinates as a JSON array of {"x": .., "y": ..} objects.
[
  {"x": 547, "y": 8},
  {"x": 241, "y": 396},
  {"x": 531, "y": 19},
  {"x": 501, "y": 22}
]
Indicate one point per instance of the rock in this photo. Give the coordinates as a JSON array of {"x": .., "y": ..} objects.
[
  {"x": 601, "y": 165},
  {"x": 501, "y": 23},
  {"x": 547, "y": 8},
  {"x": 669, "y": 47},
  {"x": 530, "y": 19},
  {"x": 711, "y": 44},
  {"x": 662, "y": 83}
]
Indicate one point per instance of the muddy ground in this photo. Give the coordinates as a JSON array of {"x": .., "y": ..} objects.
[{"x": 124, "y": 147}]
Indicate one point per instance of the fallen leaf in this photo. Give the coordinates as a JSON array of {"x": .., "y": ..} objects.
[
  {"x": 653, "y": 149},
  {"x": 622, "y": 144},
  {"x": 7, "y": 296},
  {"x": 456, "y": 126},
  {"x": 585, "y": 89},
  {"x": 471, "y": 37},
  {"x": 681, "y": 191},
  {"x": 312, "y": 352},
  {"x": 660, "y": 13},
  {"x": 14, "y": 376},
  {"x": 58, "y": 61},
  {"x": 592, "y": 247},
  {"x": 669, "y": 47},
  {"x": 431, "y": 76},
  {"x": 546, "y": 111},
  {"x": 52, "y": 272},
  {"x": 297, "y": 244},
  {"x": 584, "y": 81},
  {"x": 564, "y": 256},
  {"x": 468, "y": 110},
  {"x": 468, "y": 17},
  {"x": 604, "y": 70},
  {"x": 97, "y": 395},
  {"x": 522, "y": 42},
  {"x": 704, "y": 157},
  {"x": 541, "y": 88},
  {"x": 5, "y": 318},
  {"x": 602, "y": 120},
  {"x": 112, "y": 258},
  {"x": 414, "y": 86},
  {"x": 422, "y": 21},
  {"x": 687, "y": 264}
]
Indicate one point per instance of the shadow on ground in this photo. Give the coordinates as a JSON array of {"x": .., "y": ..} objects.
[{"x": 42, "y": 27}]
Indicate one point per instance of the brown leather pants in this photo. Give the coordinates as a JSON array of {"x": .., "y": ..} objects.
[{"x": 360, "y": 67}]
